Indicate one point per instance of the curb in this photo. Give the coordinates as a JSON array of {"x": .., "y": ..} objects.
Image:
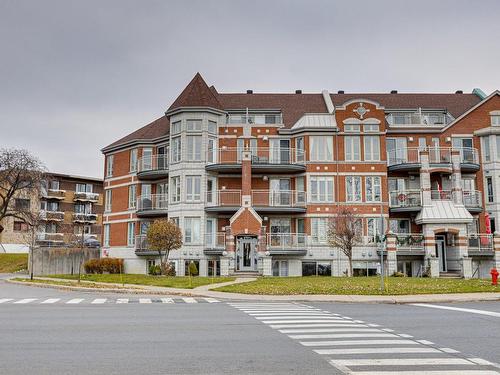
[{"x": 204, "y": 291}]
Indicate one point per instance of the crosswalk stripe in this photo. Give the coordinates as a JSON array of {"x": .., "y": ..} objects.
[
  {"x": 357, "y": 342},
  {"x": 190, "y": 300},
  {"x": 401, "y": 362},
  {"x": 211, "y": 300},
  {"x": 26, "y": 300},
  {"x": 145, "y": 300},
  {"x": 482, "y": 362},
  {"x": 99, "y": 301},
  {"x": 51, "y": 300},
  {"x": 376, "y": 351},
  {"x": 322, "y": 320},
  {"x": 3, "y": 300},
  {"x": 313, "y": 325},
  {"x": 167, "y": 300},
  {"x": 435, "y": 372},
  {"x": 326, "y": 317},
  {"x": 449, "y": 350},
  {"x": 281, "y": 311},
  {"x": 461, "y": 309},
  {"x": 122, "y": 300},
  {"x": 75, "y": 300},
  {"x": 342, "y": 336},
  {"x": 329, "y": 330},
  {"x": 293, "y": 314}
]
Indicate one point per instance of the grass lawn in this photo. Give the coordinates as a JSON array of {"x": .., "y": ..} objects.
[
  {"x": 63, "y": 283},
  {"x": 13, "y": 262},
  {"x": 172, "y": 282},
  {"x": 358, "y": 285}
]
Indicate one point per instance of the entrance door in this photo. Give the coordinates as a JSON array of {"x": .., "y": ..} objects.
[
  {"x": 161, "y": 154},
  {"x": 246, "y": 253},
  {"x": 441, "y": 253},
  {"x": 280, "y": 194}
]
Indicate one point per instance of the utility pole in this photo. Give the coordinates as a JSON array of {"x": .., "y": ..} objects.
[{"x": 382, "y": 283}]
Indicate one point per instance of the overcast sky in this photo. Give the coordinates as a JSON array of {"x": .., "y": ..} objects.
[{"x": 77, "y": 75}]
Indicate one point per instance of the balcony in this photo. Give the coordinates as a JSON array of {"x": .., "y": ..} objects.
[
  {"x": 263, "y": 159},
  {"x": 473, "y": 201},
  {"x": 408, "y": 158},
  {"x": 480, "y": 245},
  {"x": 50, "y": 237},
  {"x": 215, "y": 243},
  {"x": 84, "y": 218},
  {"x": 152, "y": 167},
  {"x": 287, "y": 243},
  {"x": 405, "y": 201},
  {"x": 409, "y": 119},
  {"x": 152, "y": 205},
  {"x": 52, "y": 215},
  {"x": 53, "y": 194},
  {"x": 410, "y": 243},
  {"x": 223, "y": 201},
  {"x": 258, "y": 119},
  {"x": 279, "y": 200},
  {"x": 86, "y": 197},
  {"x": 141, "y": 246},
  {"x": 441, "y": 195}
]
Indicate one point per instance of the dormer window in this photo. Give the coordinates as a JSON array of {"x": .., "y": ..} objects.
[
  {"x": 352, "y": 128},
  {"x": 495, "y": 118},
  {"x": 255, "y": 118},
  {"x": 419, "y": 118}
]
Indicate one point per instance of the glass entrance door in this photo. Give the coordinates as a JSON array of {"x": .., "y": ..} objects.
[
  {"x": 247, "y": 260},
  {"x": 441, "y": 253}
]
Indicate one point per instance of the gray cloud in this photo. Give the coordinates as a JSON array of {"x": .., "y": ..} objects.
[{"x": 77, "y": 75}]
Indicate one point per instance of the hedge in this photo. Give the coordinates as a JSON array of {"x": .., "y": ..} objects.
[{"x": 109, "y": 265}]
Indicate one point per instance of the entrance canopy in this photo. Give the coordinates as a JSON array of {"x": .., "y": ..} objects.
[{"x": 443, "y": 212}]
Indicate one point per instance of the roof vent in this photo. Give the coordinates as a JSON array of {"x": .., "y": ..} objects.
[
  {"x": 340, "y": 92},
  {"x": 459, "y": 92},
  {"x": 394, "y": 91},
  {"x": 298, "y": 91},
  {"x": 249, "y": 91}
]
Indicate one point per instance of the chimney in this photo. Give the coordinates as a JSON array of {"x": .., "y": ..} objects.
[
  {"x": 298, "y": 91},
  {"x": 394, "y": 91},
  {"x": 459, "y": 92},
  {"x": 249, "y": 91},
  {"x": 340, "y": 92}
]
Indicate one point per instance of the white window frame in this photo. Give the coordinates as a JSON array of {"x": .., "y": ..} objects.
[
  {"x": 212, "y": 127},
  {"x": 132, "y": 196},
  {"x": 373, "y": 183},
  {"x": 321, "y": 189},
  {"x": 371, "y": 228},
  {"x": 320, "y": 148},
  {"x": 352, "y": 147},
  {"x": 176, "y": 149},
  {"x": 486, "y": 150},
  {"x": 353, "y": 196},
  {"x": 109, "y": 165},
  {"x": 319, "y": 230},
  {"x": 495, "y": 120},
  {"x": 191, "y": 122},
  {"x": 176, "y": 189},
  {"x": 191, "y": 224},
  {"x": 372, "y": 147},
  {"x": 108, "y": 200},
  {"x": 193, "y": 188},
  {"x": 176, "y": 127},
  {"x": 106, "y": 234},
  {"x": 193, "y": 147},
  {"x": 131, "y": 233},
  {"x": 133, "y": 160}
]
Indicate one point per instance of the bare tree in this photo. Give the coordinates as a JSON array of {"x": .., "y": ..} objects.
[
  {"x": 34, "y": 219},
  {"x": 20, "y": 177},
  {"x": 344, "y": 232},
  {"x": 164, "y": 236}
]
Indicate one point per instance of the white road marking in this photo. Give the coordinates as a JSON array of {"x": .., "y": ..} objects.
[
  {"x": 322, "y": 320},
  {"x": 26, "y": 300},
  {"x": 438, "y": 372},
  {"x": 376, "y": 351},
  {"x": 122, "y": 300},
  {"x": 167, "y": 300},
  {"x": 3, "y": 300},
  {"x": 325, "y": 324},
  {"x": 373, "y": 325},
  {"x": 291, "y": 314},
  {"x": 190, "y": 300},
  {"x": 99, "y": 301},
  {"x": 145, "y": 300},
  {"x": 51, "y": 300},
  {"x": 357, "y": 342},
  {"x": 405, "y": 335},
  {"x": 483, "y": 362},
  {"x": 297, "y": 317},
  {"x": 211, "y": 300},
  {"x": 329, "y": 330},
  {"x": 342, "y": 336},
  {"x": 401, "y": 362},
  {"x": 425, "y": 342},
  {"x": 449, "y": 350},
  {"x": 461, "y": 309},
  {"x": 75, "y": 300}
]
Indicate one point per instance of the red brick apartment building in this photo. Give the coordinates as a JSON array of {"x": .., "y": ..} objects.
[{"x": 253, "y": 179}]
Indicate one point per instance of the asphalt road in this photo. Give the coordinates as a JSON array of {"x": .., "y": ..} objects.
[{"x": 97, "y": 335}]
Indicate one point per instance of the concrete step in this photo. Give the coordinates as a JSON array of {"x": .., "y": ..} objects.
[
  {"x": 245, "y": 274},
  {"x": 450, "y": 275}
]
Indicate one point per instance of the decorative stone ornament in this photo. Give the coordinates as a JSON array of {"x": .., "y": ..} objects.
[{"x": 361, "y": 111}]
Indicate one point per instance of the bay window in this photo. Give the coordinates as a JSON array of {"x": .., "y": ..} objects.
[
  {"x": 192, "y": 227},
  {"x": 193, "y": 149},
  {"x": 193, "y": 188}
]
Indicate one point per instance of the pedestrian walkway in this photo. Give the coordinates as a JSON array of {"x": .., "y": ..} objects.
[
  {"x": 103, "y": 301},
  {"x": 356, "y": 347}
]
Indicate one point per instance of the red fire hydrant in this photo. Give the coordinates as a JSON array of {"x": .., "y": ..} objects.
[{"x": 494, "y": 276}]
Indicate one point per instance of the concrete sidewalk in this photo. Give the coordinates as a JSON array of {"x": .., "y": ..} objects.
[{"x": 205, "y": 291}]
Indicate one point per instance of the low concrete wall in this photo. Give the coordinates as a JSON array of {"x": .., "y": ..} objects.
[{"x": 56, "y": 260}]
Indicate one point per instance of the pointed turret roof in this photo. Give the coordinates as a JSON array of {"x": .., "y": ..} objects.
[{"x": 196, "y": 94}]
